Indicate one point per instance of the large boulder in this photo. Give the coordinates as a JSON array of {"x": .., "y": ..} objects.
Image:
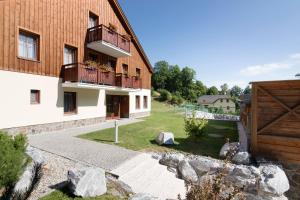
[
  {"x": 241, "y": 176},
  {"x": 87, "y": 182},
  {"x": 203, "y": 165},
  {"x": 36, "y": 155},
  {"x": 25, "y": 181},
  {"x": 274, "y": 181},
  {"x": 241, "y": 158},
  {"x": 227, "y": 147},
  {"x": 171, "y": 159},
  {"x": 143, "y": 196},
  {"x": 186, "y": 172},
  {"x": 165, "y": 138}
]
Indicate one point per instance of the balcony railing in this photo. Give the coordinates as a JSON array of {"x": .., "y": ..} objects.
[
  {"x": 82, "y": 73},
  {"x": 105, "y": 34}
]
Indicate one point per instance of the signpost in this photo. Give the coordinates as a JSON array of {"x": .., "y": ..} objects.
[{"x": 116, "y": 132}]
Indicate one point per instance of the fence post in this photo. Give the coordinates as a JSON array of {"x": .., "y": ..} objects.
[{"x": 116, "y": 132}]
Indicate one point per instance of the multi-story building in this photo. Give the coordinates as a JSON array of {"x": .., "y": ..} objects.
[
  {"x": 217, "y": 102},
  {"x": 67, "y": 63}
]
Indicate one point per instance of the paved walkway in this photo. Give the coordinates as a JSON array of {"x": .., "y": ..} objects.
[
  {"x": 139, "y": 170},
  {"x": 66, "y": 144}
]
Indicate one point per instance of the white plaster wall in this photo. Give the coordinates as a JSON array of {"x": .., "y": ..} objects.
[
  {"x": 141, "y": 93},
  {"x": 16, "y": 109}
]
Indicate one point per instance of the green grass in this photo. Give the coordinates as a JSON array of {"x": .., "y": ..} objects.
[
  {"x": 140, "y": 136},
  {"x": 64, "y": 194}
]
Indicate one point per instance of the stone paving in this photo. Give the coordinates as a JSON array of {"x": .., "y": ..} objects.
[{"x": 65, "y": 143}]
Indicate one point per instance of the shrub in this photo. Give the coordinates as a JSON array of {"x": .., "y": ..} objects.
[
  {"x": 155, "y": 94},
  {"x": 177, "y": 99},
  {"x": 195, "y": 127},
  {"x": 12, "y": 159},
  {"x": 165, "y": 95}
]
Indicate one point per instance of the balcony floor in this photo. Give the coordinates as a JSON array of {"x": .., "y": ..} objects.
[
  {"x": 108, "y": 49},
  {"x": 97, "y": 87}
]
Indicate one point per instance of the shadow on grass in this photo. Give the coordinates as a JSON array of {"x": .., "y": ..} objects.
[
  {"x": 103, "y": 140},
  {"x": 204, "y": 145}
]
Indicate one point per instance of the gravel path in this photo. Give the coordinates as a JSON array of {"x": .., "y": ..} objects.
[
  {"x": 66, "y": 144},
  {"x": 54, "y": 172}
]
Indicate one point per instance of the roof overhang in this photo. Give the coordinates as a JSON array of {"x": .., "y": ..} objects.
[{"x": 116, "y": 6}]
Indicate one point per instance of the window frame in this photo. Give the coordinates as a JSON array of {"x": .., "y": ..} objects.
[
  {"x": 137, "y": 102},
  {"x": 68, "y": 46},
  {"x": 136, "y": 72},
  {"x": 73, "y": 112},
  {"x": 36, "y": 37},
  {"x": 145, "y": 102},
  {"x": 92, "y": 15},
  {"x": 125, "y": 65},
  {"x": 37, "y": 97}
]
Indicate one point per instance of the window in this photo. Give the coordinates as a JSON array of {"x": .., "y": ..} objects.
[
  {"x": 137, "y": 102},
  {"x": 70, "y": 54},
  {"x": 138, "y": 72},
  {"x": 228, "y": 107},
  {"x": 125, "y": 69},
  {"x": 145, "y": 102},
  {"x": 221, "y": 100},
  {"x": 34, "y": 96},
  {"x": 227, "y": 100},
  {"x": 112, "y": 65},
  {"x": 70, "y": 102},
  {"x": 28, "y": 45},
  {"x": 93, "y": 20}
]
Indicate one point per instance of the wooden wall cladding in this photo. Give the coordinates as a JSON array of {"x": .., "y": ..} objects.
[
  {"x": 275, "y": 127},
  {"x": 57, "y": 22}
]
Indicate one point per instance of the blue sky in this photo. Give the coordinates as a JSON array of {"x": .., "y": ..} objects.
[{"x": 232, "y": 41}]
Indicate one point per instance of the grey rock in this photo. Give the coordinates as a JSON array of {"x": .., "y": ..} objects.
[
  {"x": 87, "y": 182},
  {"x": 242, "y": 177},
  {"x": 143, "y": 196},
  {"x": 165, "y": 138},
  {"x": 249, "y": 196},
  {"x": 241, "y": 158},
  {"x": 186, "y": 172},
  {"x": 36, "y": 155},
  {"x": 171, "y": 159},
  {"x": 226, "y": 148},
  {"x": 273, "y": 180},
  {"x": 24, "y": 182},
  {"x": 203, "y": 165}
]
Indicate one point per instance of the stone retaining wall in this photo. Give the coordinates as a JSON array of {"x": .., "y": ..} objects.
[
  {"x": 139, "y": 114},
  {"x": 206, "y": 115},
  {"x": 39, "y": 128}
]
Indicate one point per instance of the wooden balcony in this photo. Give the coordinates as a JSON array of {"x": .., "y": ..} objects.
[
  {"x": 102, "y": 39},
  {"x": 128, "y": 82},
  {"x": 82, "y": 73}
]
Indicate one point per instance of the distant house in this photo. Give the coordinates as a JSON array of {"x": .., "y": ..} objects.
[{"x": 217, "y": 101}]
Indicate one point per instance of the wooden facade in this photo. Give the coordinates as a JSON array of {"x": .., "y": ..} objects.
[
  {"x": 63, "y": 22},
  {"x": 275, "y": 124}
]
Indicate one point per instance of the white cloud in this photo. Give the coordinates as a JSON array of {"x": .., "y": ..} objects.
[
  {"x": 295, "y": 56},
  {"x": 256, "y": 70}
]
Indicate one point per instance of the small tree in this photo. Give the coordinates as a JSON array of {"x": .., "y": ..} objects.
[
  {"x": 165, "y": 95},
  {"x": 195, "y": 127},
  {"x": 12, "y": 158}
]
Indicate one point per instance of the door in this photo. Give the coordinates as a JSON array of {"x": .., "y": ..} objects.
[
  {"x": 124, "y": 107},
  {"x": 112, "y": 106}
]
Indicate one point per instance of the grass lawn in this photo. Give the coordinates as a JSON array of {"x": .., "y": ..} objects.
[
  {"x": 64, "y": 195},
  {"x": 140, "y": 136}
]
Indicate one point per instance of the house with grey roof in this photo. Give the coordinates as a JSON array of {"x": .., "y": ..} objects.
[{"x": 218, "y": 101}]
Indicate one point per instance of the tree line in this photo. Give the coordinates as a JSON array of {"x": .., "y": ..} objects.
[{"x": 182, "y": 83}]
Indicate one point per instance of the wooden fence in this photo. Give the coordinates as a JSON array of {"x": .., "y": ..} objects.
[{"x": 275, "y": 120}]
